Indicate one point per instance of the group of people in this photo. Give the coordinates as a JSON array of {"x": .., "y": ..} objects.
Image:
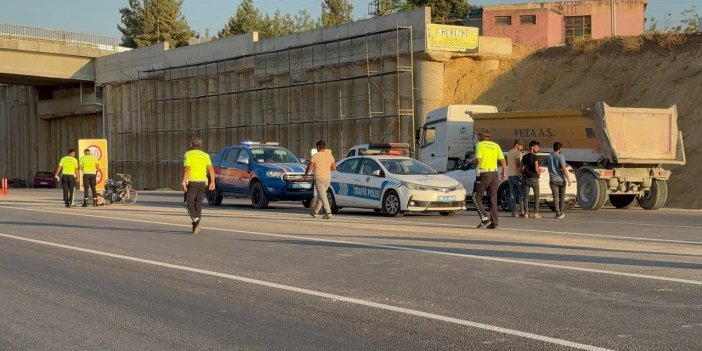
[
  {"x": 71, "y": 169},
  {"x": 522, "y": 172}
]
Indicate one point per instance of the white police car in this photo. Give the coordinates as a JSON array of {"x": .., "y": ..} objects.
[{"x": 393, "y": 185}]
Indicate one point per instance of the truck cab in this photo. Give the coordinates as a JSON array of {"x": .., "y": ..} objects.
[
  {"x": 447, "y": 135},
  {"x": 261, "y": 171}
]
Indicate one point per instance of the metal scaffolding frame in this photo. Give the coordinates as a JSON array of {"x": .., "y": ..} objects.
[{"x": 286, "y": 95}]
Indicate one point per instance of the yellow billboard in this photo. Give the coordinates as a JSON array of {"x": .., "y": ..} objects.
[
  {"x": 98, "y": 148},
  {"x": 452, "y": 38}
]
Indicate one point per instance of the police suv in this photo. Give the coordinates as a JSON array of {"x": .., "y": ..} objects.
[
  {"x": 261, "y": 171},
  {"x": 383, "y": 180}
]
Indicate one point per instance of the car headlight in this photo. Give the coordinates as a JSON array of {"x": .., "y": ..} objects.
[
  {"x": 273, "y": 174},
  {"x": 460, "y": 186},
  {"x": 414, "y": 186}
]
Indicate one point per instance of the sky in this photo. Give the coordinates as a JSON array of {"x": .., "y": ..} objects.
[{"x": 102, "y": 16}]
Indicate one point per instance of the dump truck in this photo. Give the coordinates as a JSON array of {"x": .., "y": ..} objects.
[{"x": 619, "y": 153}]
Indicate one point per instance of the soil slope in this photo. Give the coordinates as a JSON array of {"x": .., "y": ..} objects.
[{"x": 642, "y": 71}]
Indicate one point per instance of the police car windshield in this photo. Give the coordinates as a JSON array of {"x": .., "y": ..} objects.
[
  {"x": 406, "y": 166},
  {"x": 273, "y": 155}
]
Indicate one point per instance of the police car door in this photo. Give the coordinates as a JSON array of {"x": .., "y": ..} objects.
[
  {"x": 243, "y": 172},
  {"x": 367, "y": 185},
  {"x": 342, "y": 181},
  {"x": 226, "y": 179}
]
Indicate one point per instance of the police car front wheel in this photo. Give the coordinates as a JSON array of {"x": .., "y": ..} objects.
[{"x": 391, "y": 204}]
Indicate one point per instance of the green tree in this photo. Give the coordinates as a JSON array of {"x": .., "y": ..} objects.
[
  {"x": 442, "y": 11},
  {"x": 304, "y": 21},
  {"x": 247, "y": 18},
  {"x": 336, "y": 12},
  {"x": 690, "y": 20},
  {"x": 153, "y": 21}
]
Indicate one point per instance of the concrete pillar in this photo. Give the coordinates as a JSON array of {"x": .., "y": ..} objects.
[{"x": 430, "y": 87}]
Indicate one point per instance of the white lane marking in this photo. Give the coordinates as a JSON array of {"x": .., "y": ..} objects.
[
  {"x": 321, "y": 294},
  {"x": 392, "y": 247}
]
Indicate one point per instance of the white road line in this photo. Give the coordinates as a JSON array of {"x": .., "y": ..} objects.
[
  {"x": 321, "y": 294},
  {"x": 392, "y": 247}
]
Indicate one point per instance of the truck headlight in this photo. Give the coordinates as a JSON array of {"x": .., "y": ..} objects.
[{"x": 273, "y": 174}]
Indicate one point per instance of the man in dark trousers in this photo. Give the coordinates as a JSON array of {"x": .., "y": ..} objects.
[
  {"x": 532, "y": 172},
  {"x": 558, "y": 178},
  {"x": 89, "y": 167},
  {"x": 487, "y": 153},
  {"x": 69, "y": 168},
  {"x": 197, "y": 165}
]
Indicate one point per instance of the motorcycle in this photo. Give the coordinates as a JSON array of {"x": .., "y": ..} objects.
[{"x": 120, "y": 190}]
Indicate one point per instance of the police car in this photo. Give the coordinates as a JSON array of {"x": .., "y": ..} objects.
[
  {"x": 261, "y": 171},
  {"x": 393, "y": 185}
]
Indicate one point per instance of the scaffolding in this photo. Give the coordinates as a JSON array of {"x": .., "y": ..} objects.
[{"x": 347, "y": 91}]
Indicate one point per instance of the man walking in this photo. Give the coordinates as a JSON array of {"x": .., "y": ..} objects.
[
  {"x": 197, "y": 165},
  {"x": 532, "y": 170},
  {"x": 514, "y": 178},
  {"x": 68, "y": 166},
  {"x": 558, "y": 178},
  {"x": 486, "y": 155},
  {"x": 323, "y": 164},
  {"x": 88, "y": 165}
]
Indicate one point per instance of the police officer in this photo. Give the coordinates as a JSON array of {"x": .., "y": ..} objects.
[
  {"x": 88, "y": 165},
  {"x": 68, "y": 166},
  {"x": 487, "y": 153},
  {"x": 197, "y": 165}
]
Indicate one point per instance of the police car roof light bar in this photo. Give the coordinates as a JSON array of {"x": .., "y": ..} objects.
[{"x": 259, "y": 143}]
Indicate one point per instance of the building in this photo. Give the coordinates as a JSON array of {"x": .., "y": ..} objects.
[{"x": 545, "y": 24}]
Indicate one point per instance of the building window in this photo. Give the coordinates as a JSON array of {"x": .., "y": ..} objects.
[
  {"x": 529, "y": 19},
  {"x": 503, "y": 20},
  {"x": 577, "y": 28}
]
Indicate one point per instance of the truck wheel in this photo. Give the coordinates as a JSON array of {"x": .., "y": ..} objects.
[
  {"x": 592, "y": 192},
  {"x": 332, "y": 202},
  {"x": 656, "y": 196},
  {"x": 622, "y": 201},
  {"x": 214, "y": 198},
  {"x": 503, "y": 195},
  {"x": 391, "y": 204},
  {"x": 259, "y": 200}
]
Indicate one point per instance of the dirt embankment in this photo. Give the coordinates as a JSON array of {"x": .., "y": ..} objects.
[{"x": 642, "y": 71}]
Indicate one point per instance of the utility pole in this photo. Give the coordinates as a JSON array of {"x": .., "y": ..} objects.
[{"x": 614, "y": 17}]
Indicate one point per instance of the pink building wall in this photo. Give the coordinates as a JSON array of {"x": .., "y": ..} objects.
[{"x": 550, "y": 17}]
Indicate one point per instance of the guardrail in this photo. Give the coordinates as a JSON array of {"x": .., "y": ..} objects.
[{"x": 60, "y": 37}]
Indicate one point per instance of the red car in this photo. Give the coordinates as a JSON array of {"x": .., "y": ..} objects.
[{"x": 44, "y": 179}]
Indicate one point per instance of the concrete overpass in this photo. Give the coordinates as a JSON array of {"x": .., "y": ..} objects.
[
  {"x": 35, "y": 56},
  {"x": 48, "y": 98}
]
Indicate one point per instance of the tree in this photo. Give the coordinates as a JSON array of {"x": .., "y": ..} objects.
[
  {"x": 247, "y": 18},
  {"x": 690, "y": 22},
  {"x": 336, "y": 12},
  {"x": 153, "y": 21},
  {"x": 442, "y": 11},
  {"x": 304, "y": 21}
]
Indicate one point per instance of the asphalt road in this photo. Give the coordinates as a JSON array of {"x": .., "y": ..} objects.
[{"x": 128, "y": 278}]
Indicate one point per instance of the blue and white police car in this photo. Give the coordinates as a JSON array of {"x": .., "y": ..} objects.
[{"x": 393, "y": 185}]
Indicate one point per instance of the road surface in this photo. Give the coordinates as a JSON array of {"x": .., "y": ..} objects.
[{"x": 117, "y": 278}]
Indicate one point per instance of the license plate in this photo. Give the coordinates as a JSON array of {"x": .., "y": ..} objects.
[
  {"x": 301, "y": 186},
  {"x": 44, "y": 183},
  {"x": 446, "y": 198}
]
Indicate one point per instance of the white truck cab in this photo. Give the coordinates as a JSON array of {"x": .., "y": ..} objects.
[{"x": 447, "y": 135}]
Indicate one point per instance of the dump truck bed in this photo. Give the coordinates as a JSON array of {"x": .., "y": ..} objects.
[{"x": 637, "y": 136}]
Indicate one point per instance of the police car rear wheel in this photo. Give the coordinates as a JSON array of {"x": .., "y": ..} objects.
[
  {"x": 332, "y": 202},
  {"x": 214, "y": 198},
  {"x": 391, "y": 204},
  {"x": 259, "y": 200}
]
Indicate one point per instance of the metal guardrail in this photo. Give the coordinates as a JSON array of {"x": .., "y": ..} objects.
[{"x": 60, "y": 37}]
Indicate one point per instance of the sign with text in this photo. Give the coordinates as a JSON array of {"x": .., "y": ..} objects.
[
  {"x": 98, "y": 148},
  {"x": 452, "y": 38}
]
